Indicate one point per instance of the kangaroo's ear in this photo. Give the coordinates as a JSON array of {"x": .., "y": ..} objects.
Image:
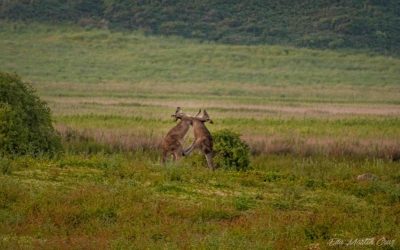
[
  {"x": 205, "y": 115},
  {"x": 178, "y": 113},
  {"x": 174, "y": 116},
  {"x": 198, "y": 113}
]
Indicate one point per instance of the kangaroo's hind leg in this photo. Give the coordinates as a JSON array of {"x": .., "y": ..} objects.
[
  {"x": 164, "y": 157},
  {"x": 210, "y": 162},
  {"x": 178, "y": 153}
]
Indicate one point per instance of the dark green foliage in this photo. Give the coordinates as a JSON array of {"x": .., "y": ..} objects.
[
  {"x": 230, "y": 151},
  {"x": 366, "y": 24},
  {"x": 25, "y": 122},
  {"x": 51, "y": 10}
]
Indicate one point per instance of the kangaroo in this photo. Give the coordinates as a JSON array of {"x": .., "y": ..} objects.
[
  {"x": 202, "y": 138},
  {"x": 172, "y": 143}
]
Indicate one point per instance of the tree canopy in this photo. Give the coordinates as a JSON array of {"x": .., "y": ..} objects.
[{"x": 360, "y": 24}]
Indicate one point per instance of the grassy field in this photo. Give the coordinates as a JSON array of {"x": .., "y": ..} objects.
[
  {"x": 314, "y": 120},
  {"x": 129, "y": 201}
]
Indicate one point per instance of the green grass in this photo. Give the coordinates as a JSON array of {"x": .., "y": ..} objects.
[
  {"x": 68, "y": 65},
  {"x": 96, "y": 56},
  {"x": 314, "y": 121},
  {"x": 123, "y": 71},
  {"x": 129, "y": 201}
]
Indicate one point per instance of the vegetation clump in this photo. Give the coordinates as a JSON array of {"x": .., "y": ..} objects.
[
  {"x": 25, "y": 121},
  {"x": 230, "y": 151}
]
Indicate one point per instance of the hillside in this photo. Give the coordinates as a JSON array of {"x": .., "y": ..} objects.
[
  {"x": 371, "y": 25},
  {"x": 175, "y": 68}
]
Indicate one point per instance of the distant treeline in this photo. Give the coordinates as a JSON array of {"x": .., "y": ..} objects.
[{"x": 361, "y": 24}]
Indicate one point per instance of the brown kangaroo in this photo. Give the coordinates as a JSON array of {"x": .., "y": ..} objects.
[
  {"x": 172, "y": 143},
  {"x": 202, "y": 138}
]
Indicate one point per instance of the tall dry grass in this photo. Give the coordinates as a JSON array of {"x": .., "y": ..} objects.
[
  {"x": 107, "y": 140},
  {"x": 126, "y": 141},
  {"x": 350, "y": 147}
]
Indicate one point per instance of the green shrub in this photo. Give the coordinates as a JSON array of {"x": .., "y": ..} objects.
[
  {"x": 230, "y": 151},
  {"x": 25, "y": 122}
]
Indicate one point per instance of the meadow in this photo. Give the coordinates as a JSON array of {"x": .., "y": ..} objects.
[{"x": 314, "y": 120}]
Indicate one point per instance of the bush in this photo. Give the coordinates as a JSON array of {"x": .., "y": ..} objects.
[
  {"x": 230, "y": 151},
  {"x": 25, "y": 121}
]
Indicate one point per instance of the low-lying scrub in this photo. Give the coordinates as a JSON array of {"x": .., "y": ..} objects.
[{"x": 230, "y": 151}]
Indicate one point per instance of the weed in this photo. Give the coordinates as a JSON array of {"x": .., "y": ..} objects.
[
  {"x": 210, "y": 214},
  {"x": 273, "y": 177},
  {"x": 5, "y": 166},
  {"x": 243, "y": 203},
  {"x": 10, "y": 192},
  {"x": 314, "y": 184}
]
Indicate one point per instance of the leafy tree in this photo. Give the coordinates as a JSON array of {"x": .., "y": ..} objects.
[{"x": 25, "y": 121}]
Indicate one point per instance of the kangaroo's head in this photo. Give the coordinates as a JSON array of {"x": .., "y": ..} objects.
[
  {"x": 204, "y": 118},
  {"x": 179, "y": 115}
]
